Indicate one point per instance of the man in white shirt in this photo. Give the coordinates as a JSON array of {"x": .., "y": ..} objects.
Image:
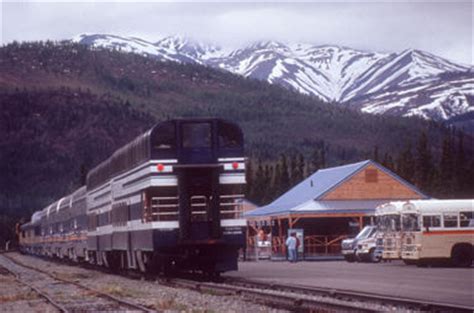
[{"x": 291, "y": 243}]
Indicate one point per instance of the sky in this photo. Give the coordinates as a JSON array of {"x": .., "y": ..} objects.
[{"x": 442, "y": 28}]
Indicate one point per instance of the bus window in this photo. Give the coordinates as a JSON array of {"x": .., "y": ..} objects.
[
  {"x": 196, "y": 135},
  {"x": 450, "y": 220},
  {"x": 410, "y": 222},
  {"x": 431, "y": 221},
  {"x": 466, "y": 219}
]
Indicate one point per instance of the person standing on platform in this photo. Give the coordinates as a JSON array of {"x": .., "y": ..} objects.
[{"x": 291, "y": 244}]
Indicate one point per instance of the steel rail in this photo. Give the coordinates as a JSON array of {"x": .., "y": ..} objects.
[
  {"x": 349, "y": 295},
  {"x": 96, "y": 292},
  {"x": 36, "y": 290},
  {"x": 273, "y": 298}
]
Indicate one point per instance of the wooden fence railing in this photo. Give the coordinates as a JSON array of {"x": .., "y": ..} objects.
[{"x": 314, "y": 245}]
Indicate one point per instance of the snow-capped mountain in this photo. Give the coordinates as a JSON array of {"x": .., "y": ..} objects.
[{"x": 409, "y": 83}]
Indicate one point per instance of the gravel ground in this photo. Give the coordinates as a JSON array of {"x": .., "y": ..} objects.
[
  {"x": 16, "y": 297},
  {"x": 147, "y": 293}
]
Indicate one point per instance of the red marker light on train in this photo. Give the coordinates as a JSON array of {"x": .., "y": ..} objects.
[
  {"x": 160, "y": 167},
  {"x": 235, "y": 165}
]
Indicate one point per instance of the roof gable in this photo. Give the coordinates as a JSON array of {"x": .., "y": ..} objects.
[{"x": 319, "y": 184}]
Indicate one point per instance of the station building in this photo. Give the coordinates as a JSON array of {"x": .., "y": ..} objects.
[{"x": 327, "y": 207}]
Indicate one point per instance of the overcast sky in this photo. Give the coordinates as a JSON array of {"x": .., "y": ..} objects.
[{"x": 443, "y": 28}]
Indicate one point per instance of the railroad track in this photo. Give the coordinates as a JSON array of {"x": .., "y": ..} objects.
[
  {"x": 290, "y": 297},
  {"x": 66, "y": 295},
  {"x": 309, "y": 299}
]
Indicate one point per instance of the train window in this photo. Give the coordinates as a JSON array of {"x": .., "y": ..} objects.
[
  {"x": 431, "y": 221},
  {"x": 466, "y": 219},
  {"x": 450, "y": 220},
  {"x": 196, "y": 135},
  {"x": 229, "y": 136},
  {"x": 165, "y": 136}
]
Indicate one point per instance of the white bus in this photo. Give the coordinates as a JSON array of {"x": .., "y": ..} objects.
[
  {"x": 389, "y": 229},
  {"x": 438, "y": 230}
]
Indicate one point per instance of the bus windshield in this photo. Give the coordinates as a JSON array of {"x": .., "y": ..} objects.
[
  {"x": 410, "y": 222},
  {"x": 388, "y": 223}
]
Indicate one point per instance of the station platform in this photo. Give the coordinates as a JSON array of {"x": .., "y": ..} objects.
[{"x": 443, "y": 284}]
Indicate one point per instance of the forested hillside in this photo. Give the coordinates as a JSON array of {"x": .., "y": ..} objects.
[{"x": 65, "y": 107}]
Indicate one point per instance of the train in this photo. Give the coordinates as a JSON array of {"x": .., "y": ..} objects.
[{"x": 170, "y": 200}]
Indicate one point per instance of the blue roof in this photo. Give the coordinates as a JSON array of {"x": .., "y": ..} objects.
[
  {"x": 319, "y": 184},
  {"x": 327, "y": 207}
]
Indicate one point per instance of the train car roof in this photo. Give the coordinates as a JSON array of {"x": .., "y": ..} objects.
[{"x": 141, "y": 139}]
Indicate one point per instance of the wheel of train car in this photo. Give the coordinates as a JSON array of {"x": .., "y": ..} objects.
[
  {"x": 92, "y": 257},
  {"x": 114, "y": 260},
  {"x": 166, "y": 266}
]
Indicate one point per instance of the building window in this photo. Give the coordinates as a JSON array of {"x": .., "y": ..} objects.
[{"x": 371, "y": 176}]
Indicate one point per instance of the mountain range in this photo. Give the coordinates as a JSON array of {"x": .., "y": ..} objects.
[{"x": 409, "y": 83}]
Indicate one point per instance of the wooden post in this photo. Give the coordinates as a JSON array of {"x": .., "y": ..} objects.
[
  {"x": 326, "y": 244},
  {"x": 360, "y": 222},
  {"x": 280, "y": 234}
]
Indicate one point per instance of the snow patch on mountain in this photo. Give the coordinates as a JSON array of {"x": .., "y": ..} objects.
[{"x": 409, "y": 83}]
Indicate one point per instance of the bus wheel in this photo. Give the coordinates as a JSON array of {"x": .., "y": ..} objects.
[
  {"x": 461, "y": 256},
  {"x": 410, "y": 262}
]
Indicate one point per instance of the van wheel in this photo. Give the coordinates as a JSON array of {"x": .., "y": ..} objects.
[
  {"x": 461, "y": 256},
  {"x": 373, "y": 257},
  {"x": 349, "y": 258}
]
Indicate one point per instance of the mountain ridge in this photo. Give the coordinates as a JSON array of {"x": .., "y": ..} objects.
[{"x": 351, "y": 77}]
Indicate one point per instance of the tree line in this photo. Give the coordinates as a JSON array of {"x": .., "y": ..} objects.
[{"x": 450, "y": 175}]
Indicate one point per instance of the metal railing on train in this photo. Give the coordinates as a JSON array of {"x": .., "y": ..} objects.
[{"x": 167, "y": 208}]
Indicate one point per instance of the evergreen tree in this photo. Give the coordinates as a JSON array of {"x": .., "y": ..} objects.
[
  {"x": 292, "y": 172},
  {"x": 406, "y": 164},
  {"x": 446, "y": 183},
  {"x": 315, "y": 162},
  {"x": 323, "y": 154},
  {"x": 462, "y": 170},
  {"x": 249, "y": 178},
  {"x": 259, "y": 185},
  {"x": 423, "y": 162},
  {"x": 276, "y": 186},
  {"x": 388, "y": 161},
  {"x": 82, "y": 174},
  {"x": 285, "y": 178},
  {"x": 267, "y": 195},
  {"x": 300, "y": 167},
  {"x": 375, "y": 157}
]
